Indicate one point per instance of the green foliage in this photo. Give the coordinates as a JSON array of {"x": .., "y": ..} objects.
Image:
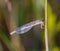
[
  {"x": 6, "y": 40},
  {"x": 53, "y": 28}
]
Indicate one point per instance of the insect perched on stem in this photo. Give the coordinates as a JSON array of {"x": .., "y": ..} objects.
[{"x": 25, "y": 28}]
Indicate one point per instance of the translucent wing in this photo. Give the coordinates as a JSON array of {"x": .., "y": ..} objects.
[
  {"x": 25, "y": 28},
  {"x": 20, "y": 31}
]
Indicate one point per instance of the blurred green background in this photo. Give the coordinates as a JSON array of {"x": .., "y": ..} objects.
[
  {"x": 53, "y": 7},
  {"x": 23, "y": 11}
]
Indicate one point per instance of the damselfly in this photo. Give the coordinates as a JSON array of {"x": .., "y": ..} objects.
[{"x": 25, "y": 28}]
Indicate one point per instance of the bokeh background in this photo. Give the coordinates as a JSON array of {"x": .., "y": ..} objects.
[
  {"x": 15, "y": 13},
  {"x": 53, "y": 7}
]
